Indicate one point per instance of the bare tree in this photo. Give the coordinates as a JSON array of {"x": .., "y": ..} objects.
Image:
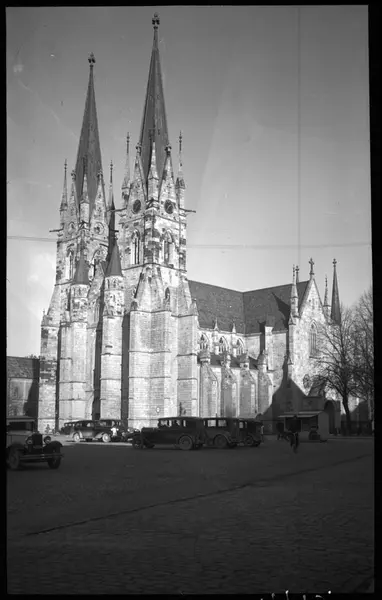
[
  {"x": 364, "y": 349},
  {"x": 335, "y": 358}
]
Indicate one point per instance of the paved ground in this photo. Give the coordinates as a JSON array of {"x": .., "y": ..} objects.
[{"x": 118, "y": 520}]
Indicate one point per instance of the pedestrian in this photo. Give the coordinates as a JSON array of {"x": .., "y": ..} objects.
[
  {"x": 279, "y": 430},
  {"x": 262, "y": 432}
]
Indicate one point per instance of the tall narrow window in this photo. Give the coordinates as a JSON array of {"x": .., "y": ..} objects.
[
  {"x": 135, "y": 248},
  {"x": 70, "y": 264},
  {"x": 222, "y": 345},
  {"x": 313, "y": 340},
  {"x": 203, "y": 344},
  {"x": 168, "y": 251},
  {"x": 239, "y": 347}
]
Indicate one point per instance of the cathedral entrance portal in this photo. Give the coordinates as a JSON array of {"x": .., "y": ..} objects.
[{"x": 329, "y": 409}]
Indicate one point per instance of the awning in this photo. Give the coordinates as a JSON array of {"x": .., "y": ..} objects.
[{"x": 301, "y": 415}]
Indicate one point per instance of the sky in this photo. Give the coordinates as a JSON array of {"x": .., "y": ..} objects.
[{"x": 273, "y": 105}]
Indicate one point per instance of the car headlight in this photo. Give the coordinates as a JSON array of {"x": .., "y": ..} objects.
[
  {"x": 47, "y": 439},
  {"x": 29, "y": 441}
]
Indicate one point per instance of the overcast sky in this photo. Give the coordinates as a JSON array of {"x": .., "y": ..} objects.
[{"x": 232, "y": 85}]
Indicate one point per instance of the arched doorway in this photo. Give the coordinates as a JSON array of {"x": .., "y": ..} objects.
[{"x": 329, "y": 409}]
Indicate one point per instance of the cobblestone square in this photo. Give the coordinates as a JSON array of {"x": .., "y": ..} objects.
[{"x": 116, "y": 520}]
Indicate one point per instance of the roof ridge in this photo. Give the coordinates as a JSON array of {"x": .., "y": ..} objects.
[{"x": 271, "y": 287}]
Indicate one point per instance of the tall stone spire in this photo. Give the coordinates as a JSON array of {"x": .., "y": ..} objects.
[
  {"x": 64, "y": 197},
  {"x": 154, "y": 121},
  {"x": 335, "y": 314},
  {"x": 111, "y": 193},
  {"x": 297, "y": 274},
  {"x": 326, "y": 304},
  {"x": 126, "y": 178},
  {"x": 89, "y": 146}
]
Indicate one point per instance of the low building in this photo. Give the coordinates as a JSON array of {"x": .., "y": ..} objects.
[{"x": 22, "y": 386}]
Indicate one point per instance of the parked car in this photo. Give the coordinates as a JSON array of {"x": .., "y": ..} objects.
[
  {"x": 250, "y": 432},
  {"x": 221, "y": 432},
  {"x": 26, "y": 445},
  {"x": 101, "y": 429},
  {"x": 186, "y": 433},
  {"x": 67, "y": 428}
]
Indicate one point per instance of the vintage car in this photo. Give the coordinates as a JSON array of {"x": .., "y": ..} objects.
[
  {"x": 249, "y": 432},
  {"x": 26, "y": 445},
  {"x": 221, "y": 432},
  {"x": 105, "y": 430},
  {"x": 67, "y": 428},
  {"x": 186, "y": 433}
]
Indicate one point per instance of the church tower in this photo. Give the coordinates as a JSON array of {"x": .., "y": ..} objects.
[
  {"x": 82, "y": 243},
  {"x": 159, "y": 361}
]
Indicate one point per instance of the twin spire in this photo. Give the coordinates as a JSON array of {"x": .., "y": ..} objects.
[{"x": 89, "y": 149}]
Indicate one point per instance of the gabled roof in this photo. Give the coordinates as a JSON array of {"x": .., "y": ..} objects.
[
  {"x": 89, "y": 149},
  {"x": 154, "y": 121},
  {"x": 249, "y": 310},
  {"x": 218, "y": 303},
  {"x": 18, "y": 366},
  {"x": 272, "y": 301}
]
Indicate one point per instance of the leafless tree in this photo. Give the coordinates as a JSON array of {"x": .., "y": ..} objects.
[
  {"x": 335, "y": 358},
  {"x": 364, "y": 348}
]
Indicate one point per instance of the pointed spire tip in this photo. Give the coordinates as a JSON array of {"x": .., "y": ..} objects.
[
  {"x": 91, "y": 60},
  {"x": 156, "y": 21}
]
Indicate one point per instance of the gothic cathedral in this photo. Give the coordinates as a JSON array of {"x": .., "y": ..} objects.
[{"x": 127, "y": 335}]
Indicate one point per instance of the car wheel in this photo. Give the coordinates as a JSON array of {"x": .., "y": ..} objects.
[
  {"x": 185, "y": 443},
  {"x": 137, "y": 443},
  {"x": 55, "y": 461},
  {"x": 220, "y": 442},
  {"x": 14, "y": 459},
  {"x": 249, "y": 441},
  {"x": 256, "y": 444},
  {"x": 106, "y": 438},
  {"x": 76, "y": 437}
]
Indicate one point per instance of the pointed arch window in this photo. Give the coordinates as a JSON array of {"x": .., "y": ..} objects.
[
  {"x": 135, "y": 248},
  {"x": 203, "y": 342},
  {"x": 70, "y": 264},
  {"x": 168, "y": 249},
  {"x": 239, "y": 347},
  {"x": 313, "y": 340},
  {"x": 222, "y": 345}
]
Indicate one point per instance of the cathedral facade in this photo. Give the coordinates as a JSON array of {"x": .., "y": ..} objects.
[{"x": 127, "y": 335}]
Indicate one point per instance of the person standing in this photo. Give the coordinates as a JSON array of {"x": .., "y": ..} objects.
[{"x": 262, "y": 432}]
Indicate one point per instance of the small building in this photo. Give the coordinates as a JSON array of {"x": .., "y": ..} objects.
[{"x": 22, "y": 386}]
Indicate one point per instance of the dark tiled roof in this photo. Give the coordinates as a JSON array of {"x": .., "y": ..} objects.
[
  {"x": 18, "y": 366},
  {"x": 216, "y": 302},
  {"x": 273, "y": 301},
  {"x": 249, "y": 310}
]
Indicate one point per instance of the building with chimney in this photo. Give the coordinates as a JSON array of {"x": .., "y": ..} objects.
[{"x": 127, "y": 335}]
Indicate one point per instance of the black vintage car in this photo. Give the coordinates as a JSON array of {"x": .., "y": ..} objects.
[
  {"x": 105, "y": 430},
  {"x": 250, "y": 432},
  {"x": 26, "y": 445},
  {"x": 186, "y": 433},
  {"x": 221, "y": 432}
]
